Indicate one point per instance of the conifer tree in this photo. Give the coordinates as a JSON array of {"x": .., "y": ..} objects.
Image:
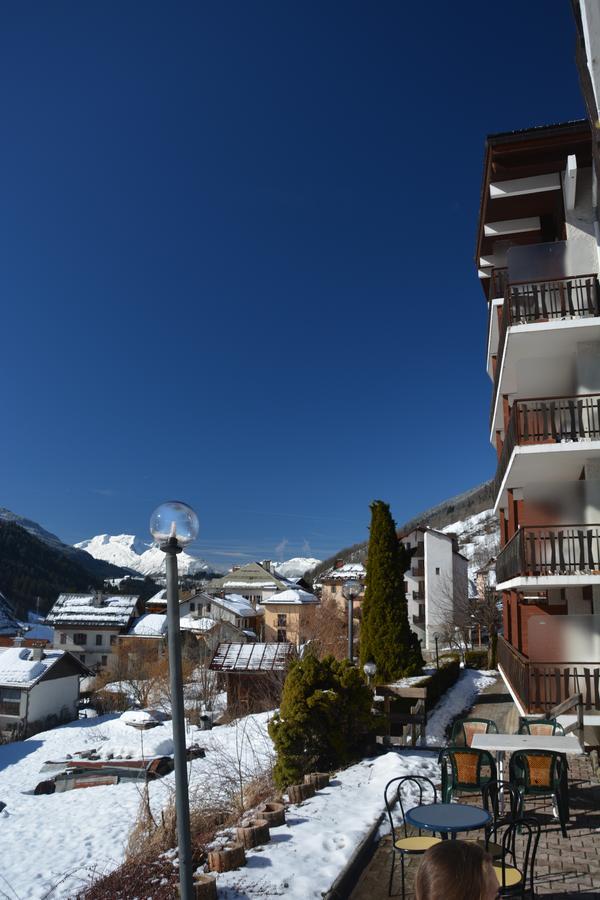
[{"x": 385, "y": 635}]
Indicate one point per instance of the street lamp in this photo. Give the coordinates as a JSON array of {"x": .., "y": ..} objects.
[
  {"x": 173, "y": 525},
  {"x": 436, "y": 638},
  {"x": 370, "y": 670},
  {"x": 351, "y": 590}
]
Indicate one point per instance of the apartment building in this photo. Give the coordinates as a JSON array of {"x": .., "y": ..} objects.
[
  {"x": 436, "y": 583},
  {"x": 538, "y": 261},
  {"x": 289, "y": 616}
]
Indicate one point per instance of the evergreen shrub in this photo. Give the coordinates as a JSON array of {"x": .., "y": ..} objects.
[
  {"x": 476, "y": 659},
  {"x": 323, "y": 721}
]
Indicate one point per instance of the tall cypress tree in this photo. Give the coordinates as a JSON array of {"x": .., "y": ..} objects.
[{"x": 385, "y": 635}]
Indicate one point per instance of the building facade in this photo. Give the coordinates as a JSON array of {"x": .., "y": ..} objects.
[
  {"x": 537, "y": 255},
  {"x": 436, "y": 583},
  {"x": 289, "y": 616},
  {"x": 89, "y": 625},
  {"x": 332, "y": 583}
]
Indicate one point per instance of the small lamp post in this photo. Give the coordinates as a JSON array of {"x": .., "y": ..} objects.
[
  {"x": 436, "y": 638},
  {"x": 351, "y": 590},
  {"x": 173, "y": 525},
  {"x": 370, "y": 670}
]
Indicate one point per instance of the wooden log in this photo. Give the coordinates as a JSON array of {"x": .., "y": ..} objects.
[
  {"x": 253, "y": 833},
  {"x": 205, "y": 887},
  {"x": 229, "y": 857},
  {"x": 318, "y": 779},
  {"x": 299, "y": 792},
  {"x": 273, "y": 814}
]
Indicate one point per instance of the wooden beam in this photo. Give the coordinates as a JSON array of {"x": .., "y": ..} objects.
[
  {"x": 517, "y": 187},
  {"x": 512, "y": 226},
  {"x": 570, "y": 177}
]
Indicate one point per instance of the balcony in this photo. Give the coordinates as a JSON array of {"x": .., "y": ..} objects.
[
  {"x": 543, "y": 302},
  {"x": 556, "y": 553},
  {"x": 540, "y": 685},
  {"x": 418, "y": 571},
  {"x": 555, "y": 420}
]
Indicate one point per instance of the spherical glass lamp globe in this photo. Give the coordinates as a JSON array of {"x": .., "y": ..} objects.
[
  {"x": 174, "y": 519},
  {"x": 352, "y": 589},
  {"x": 369, "y": 669}
]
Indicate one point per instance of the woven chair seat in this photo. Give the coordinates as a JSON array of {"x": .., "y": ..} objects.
[
  {"x": 473, "y": 728},
  {"x": 540, "y": 771},
  {"x": 512, "y": 876},
  {"x": 417, "y": 844}
]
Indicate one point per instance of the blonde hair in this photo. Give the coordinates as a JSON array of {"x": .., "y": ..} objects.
[{"x": 452, "y": 870}]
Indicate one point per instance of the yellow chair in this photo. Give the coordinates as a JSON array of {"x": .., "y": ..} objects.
[{"x": 405, "y": 844}]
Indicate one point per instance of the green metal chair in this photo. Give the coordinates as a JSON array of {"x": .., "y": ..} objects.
[
  {"x": 465, "y": 769},
  {"x": 540, "y": 726},
  {"x": 542, "y": 773},
  {"x": 464, "y": 729}
]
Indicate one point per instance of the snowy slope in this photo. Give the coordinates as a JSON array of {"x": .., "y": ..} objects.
[
  {"x": 128, "y": 551},
  {"x": 478, "y": 538},
  {"x": 297, "y": 566}
]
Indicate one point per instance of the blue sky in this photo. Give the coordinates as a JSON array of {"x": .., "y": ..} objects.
[{"x": 236, "y": 257}]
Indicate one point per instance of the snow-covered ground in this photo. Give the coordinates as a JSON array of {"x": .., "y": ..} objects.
[{"x": 65, "y": 839}]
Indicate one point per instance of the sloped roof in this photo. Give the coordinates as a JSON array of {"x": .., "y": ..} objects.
[
  {"x": 274, "y": 657},
  {"x": 252, "y": 575},
  {"x": 18, "y": 667},
  {"x": 88, "y": 609},
  {"x": 347, "y": 572},
  {"x": 150, "y": 625},
  {"x": 237, "y": 604},
  {"x": 201, "y": 624},
  {"x": 293, "y": 596}
]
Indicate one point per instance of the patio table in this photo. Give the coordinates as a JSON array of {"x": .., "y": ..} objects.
[{"x": 447, "y": 818}]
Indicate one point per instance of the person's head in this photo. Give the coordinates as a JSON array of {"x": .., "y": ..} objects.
[{"x": 456, "y": 870}]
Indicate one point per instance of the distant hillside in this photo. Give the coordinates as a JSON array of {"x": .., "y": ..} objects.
[
  {"x": 454, "y": 511},
  {"x": 30, "y": 568},
  {"x": 96, "y": 567}
]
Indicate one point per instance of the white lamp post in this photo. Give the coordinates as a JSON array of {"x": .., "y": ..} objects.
[
  {"x": 370, "y": 670},
  {"x": 351, "y": 590},
  {"x": 173, "y": 525}
]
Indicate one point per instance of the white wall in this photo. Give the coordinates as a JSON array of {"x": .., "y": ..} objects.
[
  {"x": 439, "y": 600},
  {"x": 49, "y": 697}
]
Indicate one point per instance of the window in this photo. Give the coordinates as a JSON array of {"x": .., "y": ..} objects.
[
  {"x": 334, "y": 588},
  {"x": 10, "y": 701},
  {"x": 238, "y": 623},
  {"x": 207, "y": 608},
  {"x": 104, "y": 660},
  {"x": 82, "y": 657},
  {"x": 98, "y": 640},
  {"x": 63, "y": 639},
  {"x": 113, "y": 640},
  {"x": 437, "y": 571},
  {"x": 192, "y": 607},
  {"x": 80, "y": 638},
  {"x": 281, "y": 620},
  {"x": 281, "y": 635}
]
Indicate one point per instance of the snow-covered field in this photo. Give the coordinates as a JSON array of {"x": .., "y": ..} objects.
[{"x": 64, "y": 839}]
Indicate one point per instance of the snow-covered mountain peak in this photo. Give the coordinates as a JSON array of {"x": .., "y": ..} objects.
[
  {"x": 143, "y": 557},
  {"x": 296, "y": 567}
]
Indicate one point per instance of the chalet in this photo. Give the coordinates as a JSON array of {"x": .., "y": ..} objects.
[
  {"x": 38, "y": 689},
  {"x": 89, "y": 625},
  {"x": 255, "y": 582},
  {"x": 253, "y": 674}
]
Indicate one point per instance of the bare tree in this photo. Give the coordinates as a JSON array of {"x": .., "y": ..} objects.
[{"x": 327, "y": 630}]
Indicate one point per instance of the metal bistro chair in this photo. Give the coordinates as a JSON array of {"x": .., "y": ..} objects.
[
  {"x": 493, "y": 792},
  {"x": 538, "y": 727},
  {"x": 414, "y": 845},
  {"x": 467, "y": 770},
  {"x": 515, "y": 870},
  {"x": 464, "y": 729},
  {"x": 542, "y": 773}
]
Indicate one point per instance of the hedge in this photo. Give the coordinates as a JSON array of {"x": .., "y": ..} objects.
[
  {"x": 439, "y": 682},
  {"x": 476, "y": 659}
]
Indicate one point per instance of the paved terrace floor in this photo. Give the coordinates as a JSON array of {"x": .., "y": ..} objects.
[{"x": 565, "y": 867}]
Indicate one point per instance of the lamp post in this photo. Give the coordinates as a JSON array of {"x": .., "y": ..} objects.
[
  {"x": 351, "y": 590},
  {"x": 370, "y": 670},
  {"x": 173, "y": 525},
  {"x": 436, "y": 638}
]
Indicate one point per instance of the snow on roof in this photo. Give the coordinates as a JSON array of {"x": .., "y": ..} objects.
[
  {"x": 293, "y": 596},
  {"x": 203, "y": 623},
  {"x": 272, "y": 657},
  {"x": 237, "y": 604},
  {"x": 346, "y": 573},
  {"x": 150, "y": 625},
  {"x": 17, "y": 665},
  {"x": 89, "y": 609},
  {"x": 160, "y": 597}
]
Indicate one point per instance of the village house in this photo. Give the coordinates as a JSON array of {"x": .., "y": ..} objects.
[
  {"x": 333, "y": 580},
  {"x": 255, "y": 582},
  {"x": 89, "y": 625},
  {"x": 158, "y": 603},
  {"x": 38, "y": 688},
  {"x": 289, "y": 616},
  {"x": 436, "y": 582}
]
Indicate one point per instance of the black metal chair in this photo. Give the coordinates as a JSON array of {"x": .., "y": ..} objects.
[
  {"x": 407, "y": 845},
  {"x": 494, "y": 803},
  {"x": 542, "y": 773},
  {"x": 515, "y": 869}
]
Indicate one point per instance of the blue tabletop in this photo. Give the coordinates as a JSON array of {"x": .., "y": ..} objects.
[{"x": 447, "y": 817}]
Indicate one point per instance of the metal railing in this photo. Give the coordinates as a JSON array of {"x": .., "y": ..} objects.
[
  {"x": 541, "y": 686},
  {"x": 552, "y": 420},
  {"x": 556, "y": 550},
  {"x": 527, "y": 303}
]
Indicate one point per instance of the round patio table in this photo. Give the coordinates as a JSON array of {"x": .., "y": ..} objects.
[{"x": 447, "y": 818}]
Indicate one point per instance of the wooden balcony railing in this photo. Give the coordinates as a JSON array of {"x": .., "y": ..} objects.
[
  {"x": 527, "y": 303},
  {"x": 499, "y": 279},
  {"x": 558, "y": 550},
  {"x": 418, "y": 571},
  {"x": 553, "y": 420},
  {"x": 542, "y": 685}
]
